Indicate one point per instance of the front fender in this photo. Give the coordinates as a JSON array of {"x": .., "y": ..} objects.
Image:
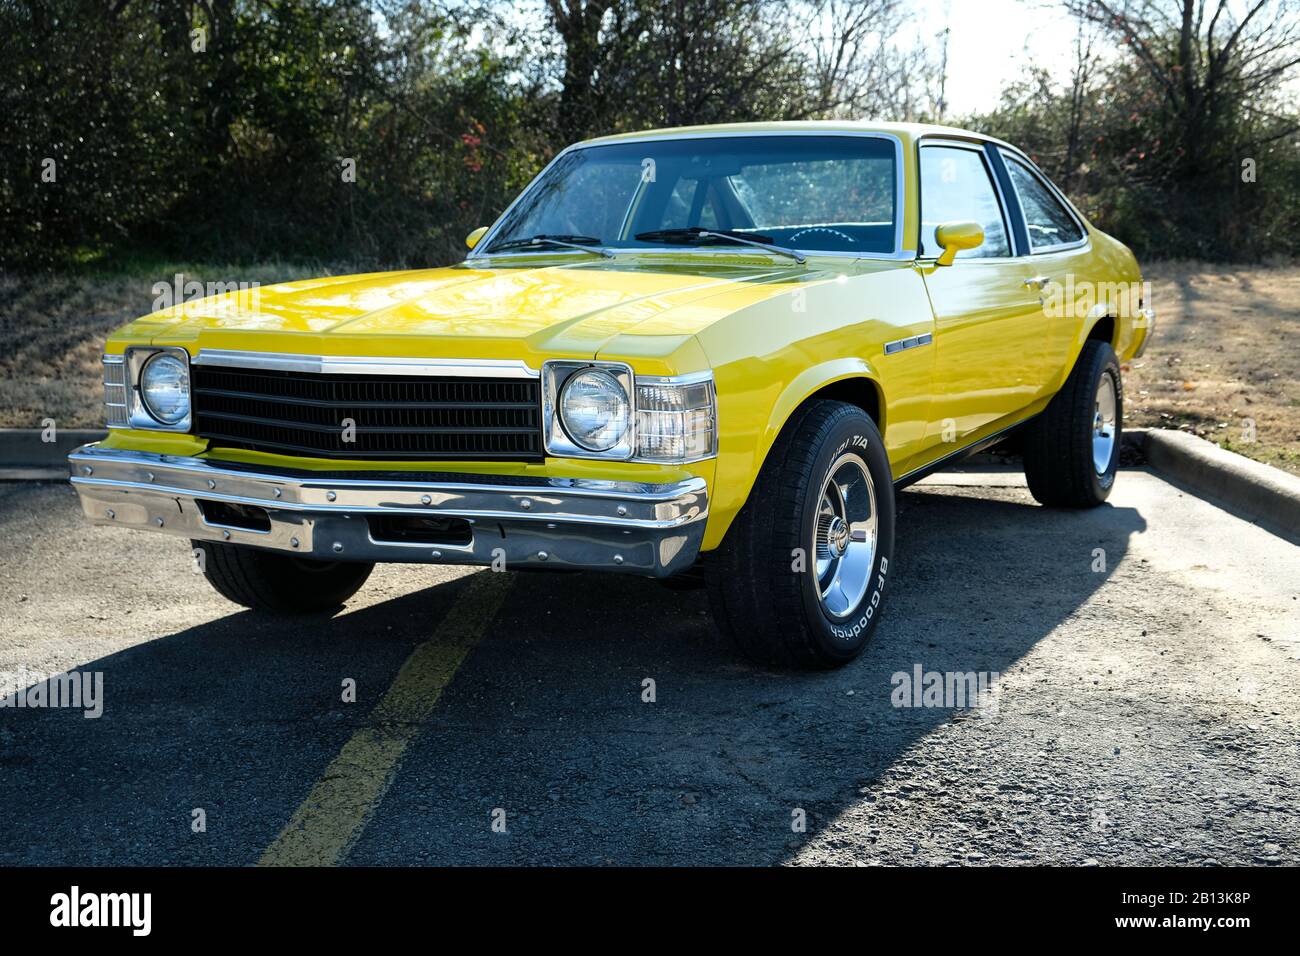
[{"x": 752, "y": 410}]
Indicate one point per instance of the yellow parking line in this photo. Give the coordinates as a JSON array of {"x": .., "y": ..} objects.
[{"x": 332, "y": 817}]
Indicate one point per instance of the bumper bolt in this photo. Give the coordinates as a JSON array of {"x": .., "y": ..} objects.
[
  {"x": 87, "y": 470},
  {"x": 426, "y": 500},
  {"x": 226, "y": 535},
  {"x": 111, "y": 513},
  {"x": 148, "y": 475},
  {"x": 338, "y": 547},
  {"x": 211, "y": 483},
  {"x": 330, "y": 496},
  {"x": 293, "y": 542},
  {"x": 277, "y": 492},
  {"x": 622, "y": 510},
  {"x": 435, "y": 554},
  {"x": 525, "y": 504},
  {"x": 618, "y": 559},
  {"x": 158, "y": 522},
  {"x": 542, "y": 555}
]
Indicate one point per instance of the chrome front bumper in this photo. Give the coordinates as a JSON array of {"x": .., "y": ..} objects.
[{"x": 573, "y": 523}]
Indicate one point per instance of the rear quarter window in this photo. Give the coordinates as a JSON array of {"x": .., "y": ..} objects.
[{"x": 1048, "y": 221}]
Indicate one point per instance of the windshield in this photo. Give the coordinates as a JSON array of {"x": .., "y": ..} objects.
[{"x": 812, "y": 193}]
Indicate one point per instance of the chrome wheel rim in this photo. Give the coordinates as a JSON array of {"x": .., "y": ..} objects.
[
  {"x": 844, "y": 536},
  {"x": 1104, "y": 415}
]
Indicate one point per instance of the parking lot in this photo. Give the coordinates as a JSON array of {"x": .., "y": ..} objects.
[{"x": 1146, "y": 658}]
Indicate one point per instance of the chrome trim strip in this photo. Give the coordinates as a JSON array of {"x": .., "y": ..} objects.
[
  {"x": 365, "y": 365},
  {"x": 690, "y": 378},
  {"x": 900, "y": 201},
  {"x": 911, "y": 342},
  {"x": 975, "y": 447},
  {"x": 583, "y": 523}
]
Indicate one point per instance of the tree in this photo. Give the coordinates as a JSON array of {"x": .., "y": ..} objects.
[
  {"x": 628, "y": 64},
  {"x": 1151, "y": 143},
  {"x": 1207, "y": 71}
]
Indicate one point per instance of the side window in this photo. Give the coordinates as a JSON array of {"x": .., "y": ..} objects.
[
  {"x": 955, "y": 184},
  {"x": 1049, "y": 223}
]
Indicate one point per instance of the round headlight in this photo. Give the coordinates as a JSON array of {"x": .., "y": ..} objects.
[
  {"x": 594, "y": 409},
  {"x": 165, "y": 388}
]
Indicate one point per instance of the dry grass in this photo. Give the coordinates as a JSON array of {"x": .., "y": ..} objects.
[
  {"x": 1223, "y": 363},
  {"x": 53, "y": 327},
  {"x": 1222, "y": 359}
]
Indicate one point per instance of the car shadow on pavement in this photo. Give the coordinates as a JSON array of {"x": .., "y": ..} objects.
[
  {"x": 236, "y": 717},
  {"x": 550, "y": 721},
  {"x": 601, "y": 717}
]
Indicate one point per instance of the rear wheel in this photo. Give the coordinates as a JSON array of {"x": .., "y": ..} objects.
[
  {"x": 280, "y": 583},
  {"x": 1072, "y": 449},
  {"x": 797, "y": 582}
]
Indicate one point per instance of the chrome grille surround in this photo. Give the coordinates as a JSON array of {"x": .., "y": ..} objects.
[
  {"x": 115, "y": 391},
  {"x": 368, "y": 408}
]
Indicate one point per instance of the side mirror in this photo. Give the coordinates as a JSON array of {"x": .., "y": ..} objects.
[
  {"x": 956, "y": 236},
  {"x": 472, "y": 239}
]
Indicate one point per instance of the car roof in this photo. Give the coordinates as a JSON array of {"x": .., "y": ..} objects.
[{"x": 907, "y": 132}]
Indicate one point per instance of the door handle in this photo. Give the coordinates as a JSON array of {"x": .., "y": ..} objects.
[{"x": 1040, "y": 281}]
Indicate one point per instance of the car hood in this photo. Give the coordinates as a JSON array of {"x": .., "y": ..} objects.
[{"x": 524, "y": 311}]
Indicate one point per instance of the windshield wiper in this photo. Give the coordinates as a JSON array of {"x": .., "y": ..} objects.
[
  {"x": 695, "y": 233},
  {"x": 581, "y": 243}
]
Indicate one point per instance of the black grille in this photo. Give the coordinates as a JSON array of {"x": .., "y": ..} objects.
[{"x": 396, "y": 416}]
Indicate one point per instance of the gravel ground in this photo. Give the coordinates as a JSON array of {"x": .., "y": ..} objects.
[{"x": 1143, "y": 713}]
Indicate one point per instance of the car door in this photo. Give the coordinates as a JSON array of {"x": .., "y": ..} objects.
[
  {"x": 990, "y": 340},
  {"x": 1055, "y": 247}
]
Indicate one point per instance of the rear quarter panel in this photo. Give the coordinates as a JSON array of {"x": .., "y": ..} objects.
[{"x": 1102, "y": 282}]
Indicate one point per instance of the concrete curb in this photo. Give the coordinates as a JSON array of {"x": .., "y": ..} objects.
[
  {"x": 24, "y": 448},
  {"x": 1256, "y": 491},
  {"x": 25, "y": 457}
]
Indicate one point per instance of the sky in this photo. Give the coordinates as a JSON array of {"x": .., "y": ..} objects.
[{"x": 990, "y": 43}]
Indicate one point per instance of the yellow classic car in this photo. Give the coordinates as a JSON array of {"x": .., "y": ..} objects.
[{"x": 708, "y": 354}]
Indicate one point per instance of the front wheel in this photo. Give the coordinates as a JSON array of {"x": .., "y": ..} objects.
[
  {"x": 1072, "y": 448},
  {"x": 279, "y": 583},
  {"x": 798, "y": 580}
]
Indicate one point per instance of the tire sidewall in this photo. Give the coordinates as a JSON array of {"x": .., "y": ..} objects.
[
  {"x": 1106, "y": 364},
  {"x": 842, "y": 640}
]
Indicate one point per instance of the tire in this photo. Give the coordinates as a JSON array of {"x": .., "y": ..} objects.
[
  {"x": 763, "y": 596},
  {"x": 279, "y": 583},
  {"x": 1062, "y": 443}
]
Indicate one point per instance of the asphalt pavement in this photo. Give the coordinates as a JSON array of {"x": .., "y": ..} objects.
[{"x": 1142, "y": 660}]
